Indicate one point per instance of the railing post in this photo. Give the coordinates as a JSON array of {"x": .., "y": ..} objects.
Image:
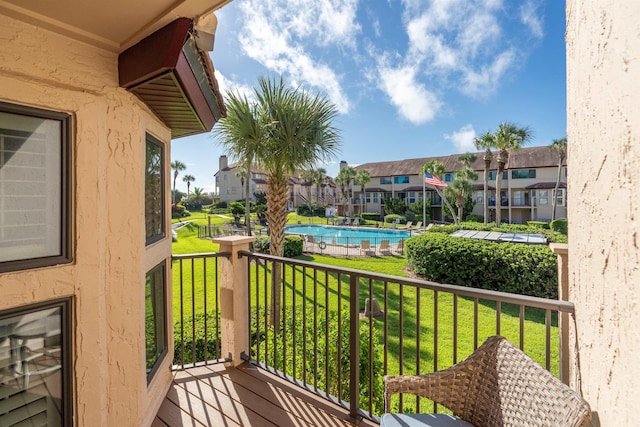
[
  {"x": 562, "y": 250},
  {"x": 354, "y": 345},
  {"x": 234, "y": 294}
]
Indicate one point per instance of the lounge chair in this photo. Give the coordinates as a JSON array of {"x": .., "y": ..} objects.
[
  {"x": 385, "y": 247},
  {"x": 409, "y": 223},
  {"x": 365, "y": 246},
  {"x": 356, "y": 221},
  {"x": 498, "y": 385},
  {"x": 418, "y": 225},
  {"x": 400, "y": 247}
]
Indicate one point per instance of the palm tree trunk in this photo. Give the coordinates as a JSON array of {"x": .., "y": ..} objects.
[
  {"x": 554, "y": 200},
  {"x": 487, "y": 165},
  {"x": 247, "y": 200},
  {"x": 498, "y": 195},
  {"x": 276, "y": 214},
  {"x": 445, "y": 201}
]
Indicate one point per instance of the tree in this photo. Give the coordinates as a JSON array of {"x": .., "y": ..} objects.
[
  {"x": 242, "y": 174},
  {"x": 347, "y": 174},
  {"x": 486, "y": 142},
  {"x": 508, "y": 137},
  {"x": 341, "y": 181},
  {"x": 177, "y": 167},
  {"x": 298, "y": 133},
  {"x": 436, "y": 169},
  {"x": 307, "y": 180},
  {"x": 462, "y": 186},
  {"x": 363, "y": 177},
  {"x": 318, "y": 180},
  {"x": 188, "y": 179},
  {"x": 241, "y": 133},
  {"x": 559, "y": 146}
]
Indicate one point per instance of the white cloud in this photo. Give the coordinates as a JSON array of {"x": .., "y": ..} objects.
[
  {"x": 485, "y": 81},
  {"x": 281, "y": 35},
  {"x": 463, "y": 139},
  {"x": 413, "y": 100},
  {"x": 225, "y": 85},
  {"x": 529, "y": 17}
]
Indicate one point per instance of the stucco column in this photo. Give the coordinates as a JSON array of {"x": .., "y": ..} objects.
[
  {"x": 234, "y": 297},
  {"x": 562, "y": 250}
]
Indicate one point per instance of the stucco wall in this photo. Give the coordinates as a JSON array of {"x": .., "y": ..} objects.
[
  {"x": 603, "y": 54},
  {"x": 39, "y": 68}
]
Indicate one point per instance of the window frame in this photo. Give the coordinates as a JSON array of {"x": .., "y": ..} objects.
[
  {"x": 65, "y": 255},
  {"x": 401, "y": 179},
  {"x": 385, "y": 180},
  {"x": 162, "y": 266},
  {"x": 163, "y": 208},
  {"x": 66, "y": 347}
]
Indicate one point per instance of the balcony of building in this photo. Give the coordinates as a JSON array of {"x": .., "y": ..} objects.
[{"x": 276, "y": 338}]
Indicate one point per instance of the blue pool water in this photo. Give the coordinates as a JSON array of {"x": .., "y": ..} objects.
[{"x": 347, "y": 235}]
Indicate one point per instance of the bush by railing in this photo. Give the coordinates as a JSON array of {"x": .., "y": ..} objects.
[
  {"x": 516, "y": 268},
  {"x": 206, "y": 343},
  {"x": 325, "y": 359}
]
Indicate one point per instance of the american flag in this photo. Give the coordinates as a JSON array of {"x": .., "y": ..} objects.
[{"x": 433, "y": 180}]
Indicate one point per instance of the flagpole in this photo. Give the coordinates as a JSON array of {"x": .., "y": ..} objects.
[{"x": 424, "y": 202}]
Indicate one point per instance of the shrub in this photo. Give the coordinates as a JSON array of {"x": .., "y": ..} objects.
[
  {"x": 187, "y": 327},
  {"x": 538, "y": 224},
  {"x": 394, "y": 217},
  {"x": 475, "y": 218},
  {"x": 261, "y": 244},
  {"x": 560, "y": 225},
  {"x": 324, "y": 340},
  {"x": 293, "y": 246},
  {"x": 552, "y": 236},
  {"x": 371, "y": 216},
  {"x": 507, "y": 267},
  {"x": 179, "y": 211}
]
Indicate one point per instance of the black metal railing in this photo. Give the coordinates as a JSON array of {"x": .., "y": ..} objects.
[
  {"x": 337, "y": 332},
  {"x": 196, "y": 309}
]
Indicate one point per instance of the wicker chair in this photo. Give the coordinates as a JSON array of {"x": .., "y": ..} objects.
[{"x": 497, "y": 385}]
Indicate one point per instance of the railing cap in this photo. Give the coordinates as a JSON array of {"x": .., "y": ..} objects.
[
  {"x": 559, "y": 248},
  {"x": 234, "y": 240}
]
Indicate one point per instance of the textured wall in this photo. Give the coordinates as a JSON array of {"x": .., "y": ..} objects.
[
  {"x": 603, "y": 84},
  {"x": 42, "y": 69}
]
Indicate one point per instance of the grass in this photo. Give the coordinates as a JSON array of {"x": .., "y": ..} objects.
[{"x": 420, "y": 330}]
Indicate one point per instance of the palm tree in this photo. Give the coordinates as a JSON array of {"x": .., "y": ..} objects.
[
  {"x": 240, "y": 133},
  {"x": 307, "y": 180},
  {"x": 508, "y": 137},
  {"x": 437, "y": 169},
  {"x": 363, "y": 177},
  {"x": 462, "y": 186},
  {"x": 342, "y": 182},
  {"x": 177, "y": 167},
  {"x": 188, "y": 179},
  {"x": 348, "y": 174},
  {"x": 298, "y": 134},
  {"x": 559, "y": 146},
  {"x": 242, "y": 174},
  {"x": 318, "y": 179},
  {"x": 486, "y": 142}
]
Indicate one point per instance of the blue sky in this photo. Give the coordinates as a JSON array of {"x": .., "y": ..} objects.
[{"x": 411, "y": 78}]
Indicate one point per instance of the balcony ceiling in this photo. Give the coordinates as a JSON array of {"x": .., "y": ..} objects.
[{"x": 114, "y": 25}]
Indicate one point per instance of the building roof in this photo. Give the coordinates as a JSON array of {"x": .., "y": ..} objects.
[{"x": 529, "y": 157}]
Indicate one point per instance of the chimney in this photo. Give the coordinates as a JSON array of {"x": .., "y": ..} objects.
[
  {"x": 223, "y": 162},
  {"x": 343, "y": 164}
]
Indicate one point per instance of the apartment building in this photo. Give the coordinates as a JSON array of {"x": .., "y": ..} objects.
[
  {"x": 528, "y": 184},
  {"x": 230, "y": 186}
]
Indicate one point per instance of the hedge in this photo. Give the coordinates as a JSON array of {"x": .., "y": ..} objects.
[
  {"x": 551, "y": 235},
  {"x": 507, "y": 267},
  {"x": 393, "y": 217},
  {"x": 293, "y": 245},
  {"x": 560, "y": 225},
  {"x": 212, "y": 342},
  {"x": 371, "y": 216}
]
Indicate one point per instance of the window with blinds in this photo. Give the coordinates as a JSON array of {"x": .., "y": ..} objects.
[{"x": 34, "y": 203}]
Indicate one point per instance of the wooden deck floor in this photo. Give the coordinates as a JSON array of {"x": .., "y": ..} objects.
[{"x": 245, "y": 396}]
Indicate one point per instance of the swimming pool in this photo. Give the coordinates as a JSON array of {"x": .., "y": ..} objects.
[{"x": 347, "y": 235}]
